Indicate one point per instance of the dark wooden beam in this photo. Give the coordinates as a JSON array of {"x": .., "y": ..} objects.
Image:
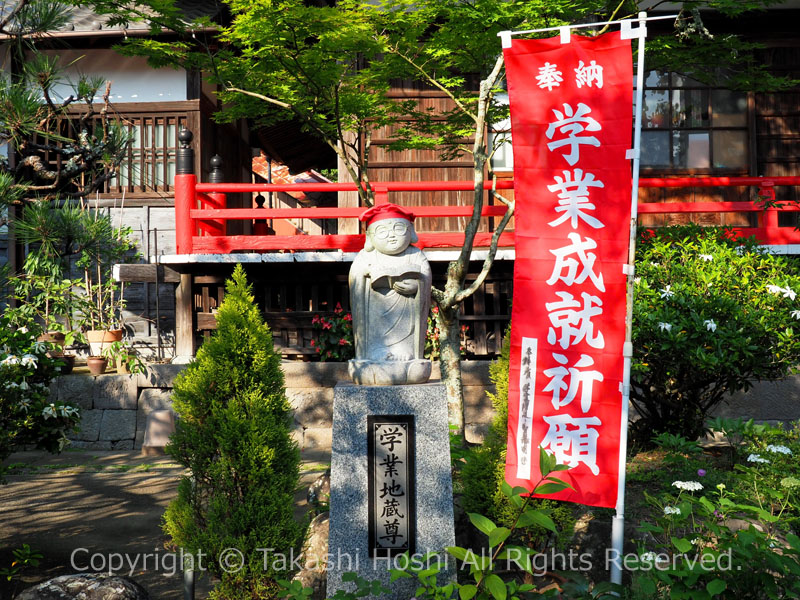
[{"x": 147, "y": 274}]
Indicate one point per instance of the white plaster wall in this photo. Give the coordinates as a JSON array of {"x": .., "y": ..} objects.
[{"x": 131, "y": 79}]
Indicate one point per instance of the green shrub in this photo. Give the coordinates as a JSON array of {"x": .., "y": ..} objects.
[
  {"x": 483, "y": 474},
  {"x": 233, "y": 435},
  {"x": 28, "y": 415},
  {"x": 711, "y": 315}
]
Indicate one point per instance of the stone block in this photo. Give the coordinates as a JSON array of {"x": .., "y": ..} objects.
[
  {"x": 77, "y": 390},
  {"x": 160, "y": 425},
  {"x": 297, "y": 435},
  {"x": 90, "y": 445},
  {"x": 159, "y": 376},
  {"x": 476, "y": 432},
  {"x": 765, "y": 401},
  {"x": 115, "y": 392},
  {"x": 473, "y": 372},
  {"x": 312, "y": 407},
  {"x": 317, "y": 438},
  {"x": 314, "y": 374},
  {"x": 151, "y": 399},
  {"x": 89, "y": 425},
  {"x": 349, "y": 475},
  {"x": 122, "y": 445},
  {"x": 118, "y": 425},
  {"x": 477, "y": 405}
]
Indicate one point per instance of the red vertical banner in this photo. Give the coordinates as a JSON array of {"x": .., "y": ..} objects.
[{"x": 571, "y": 125}]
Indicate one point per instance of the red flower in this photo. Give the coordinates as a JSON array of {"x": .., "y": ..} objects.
[
  {"x": 313, "y": 343},
  {"x": 327, "y": 324},
  {"x": 329, "y": 353},
  {"x": 435, "y": 310},
  {"x": 338, "y": 308},
  {"x": 343, "y": 342},
  {"x": 348, "y": 317},
  {"x": 315, "y": 320}
]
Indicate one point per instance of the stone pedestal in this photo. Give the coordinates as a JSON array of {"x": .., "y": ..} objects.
[{"x": 430, "y": 482}]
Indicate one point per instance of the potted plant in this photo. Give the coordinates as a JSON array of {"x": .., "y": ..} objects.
[
  {"x": 105, "y": 246},
  {"x": 67, "y": 237},
  {"x": 97, "y": 365},
  {"x": 46, "y": 298},
  {"x": 125, "y": 358}
]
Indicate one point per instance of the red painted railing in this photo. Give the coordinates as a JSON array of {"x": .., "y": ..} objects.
[{"x": 200, "y": 213}]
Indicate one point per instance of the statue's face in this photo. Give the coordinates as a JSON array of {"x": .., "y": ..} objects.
[{"x": 390, "y": 236}]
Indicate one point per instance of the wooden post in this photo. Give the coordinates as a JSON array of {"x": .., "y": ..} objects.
[{"x": 184, "y": 322}]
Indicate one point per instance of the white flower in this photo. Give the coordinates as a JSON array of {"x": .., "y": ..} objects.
[
  {"x": 707, "y": 257},
  {"x": 637, "y": 280},
  {"x": 666, "y": 292},
  {"x": 68, "y": 411},
  {"x": 665, "y": 326},
  {"x": 796, "y": 314},
  {"x": 696, "y": 541},
  {"x": 49, "y": 411},
  {"x": 24, "y": 386},
  {"x": 672, "y": 510},
  {"x": 710, "y": 325},
  {"x": 10, "y": 360},
  {"x": 12, "y": 385},
  {"x": 5, "y": 349},
  {"x": 689, "y": 486},
  {"x": 23, "y": 330},
  {"x": 648, "y": 557},
  {"x": 755, "y": 458},
  {"x": 25, "y": 404},
  {"x": 39, "y": 347},
  {"x": 787, "y": 292},
  {"x": 29, "y": 360},
  {"x": 778, "y": 449}
]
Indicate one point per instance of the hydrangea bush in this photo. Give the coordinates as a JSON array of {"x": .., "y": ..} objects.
[
  {"x": 711, "y": 315},
  {"x": 732, "y": 531},
  {"x": 28, "y": 416}
]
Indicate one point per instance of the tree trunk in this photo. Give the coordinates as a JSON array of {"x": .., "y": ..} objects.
[{"x": 450, "y": 365}]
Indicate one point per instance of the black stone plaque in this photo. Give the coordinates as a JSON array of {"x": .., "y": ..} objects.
[{"x": 391, "y": 485}]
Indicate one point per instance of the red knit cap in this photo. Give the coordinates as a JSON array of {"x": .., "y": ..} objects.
[{"x": 385, "y": 211}]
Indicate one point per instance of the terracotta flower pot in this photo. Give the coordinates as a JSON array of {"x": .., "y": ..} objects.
[
  {"x": 68, "y": 361},
  {"x": 56, "y": 338},
  {"x": 99, "y": 339},
  {"x": 97, "y": 364}
]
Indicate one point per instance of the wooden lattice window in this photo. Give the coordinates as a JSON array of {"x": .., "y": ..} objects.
[{"x": 151, "y": 158}]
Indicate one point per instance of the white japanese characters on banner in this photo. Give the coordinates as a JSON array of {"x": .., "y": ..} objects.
[{"x": 571, "y": 119}]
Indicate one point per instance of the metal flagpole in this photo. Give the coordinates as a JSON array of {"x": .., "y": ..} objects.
[{"x": 618, "y": 522}]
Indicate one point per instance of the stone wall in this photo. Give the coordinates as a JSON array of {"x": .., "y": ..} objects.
[{"x": 114, "y": 408}]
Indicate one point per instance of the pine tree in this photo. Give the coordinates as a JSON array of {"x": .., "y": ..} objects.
[{"x": 233, "y": 435}]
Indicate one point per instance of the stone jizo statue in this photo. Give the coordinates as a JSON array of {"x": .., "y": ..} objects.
[{"x": 390, "y": 295}]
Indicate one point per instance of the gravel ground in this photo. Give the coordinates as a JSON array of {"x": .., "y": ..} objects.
[{"x": 81, "y": 507}]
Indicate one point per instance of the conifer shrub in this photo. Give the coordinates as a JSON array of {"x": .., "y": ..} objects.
[{"x": 233, "y": 435}]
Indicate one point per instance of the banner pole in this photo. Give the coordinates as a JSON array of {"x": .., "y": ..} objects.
[{"x": 618, "y": 522}]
